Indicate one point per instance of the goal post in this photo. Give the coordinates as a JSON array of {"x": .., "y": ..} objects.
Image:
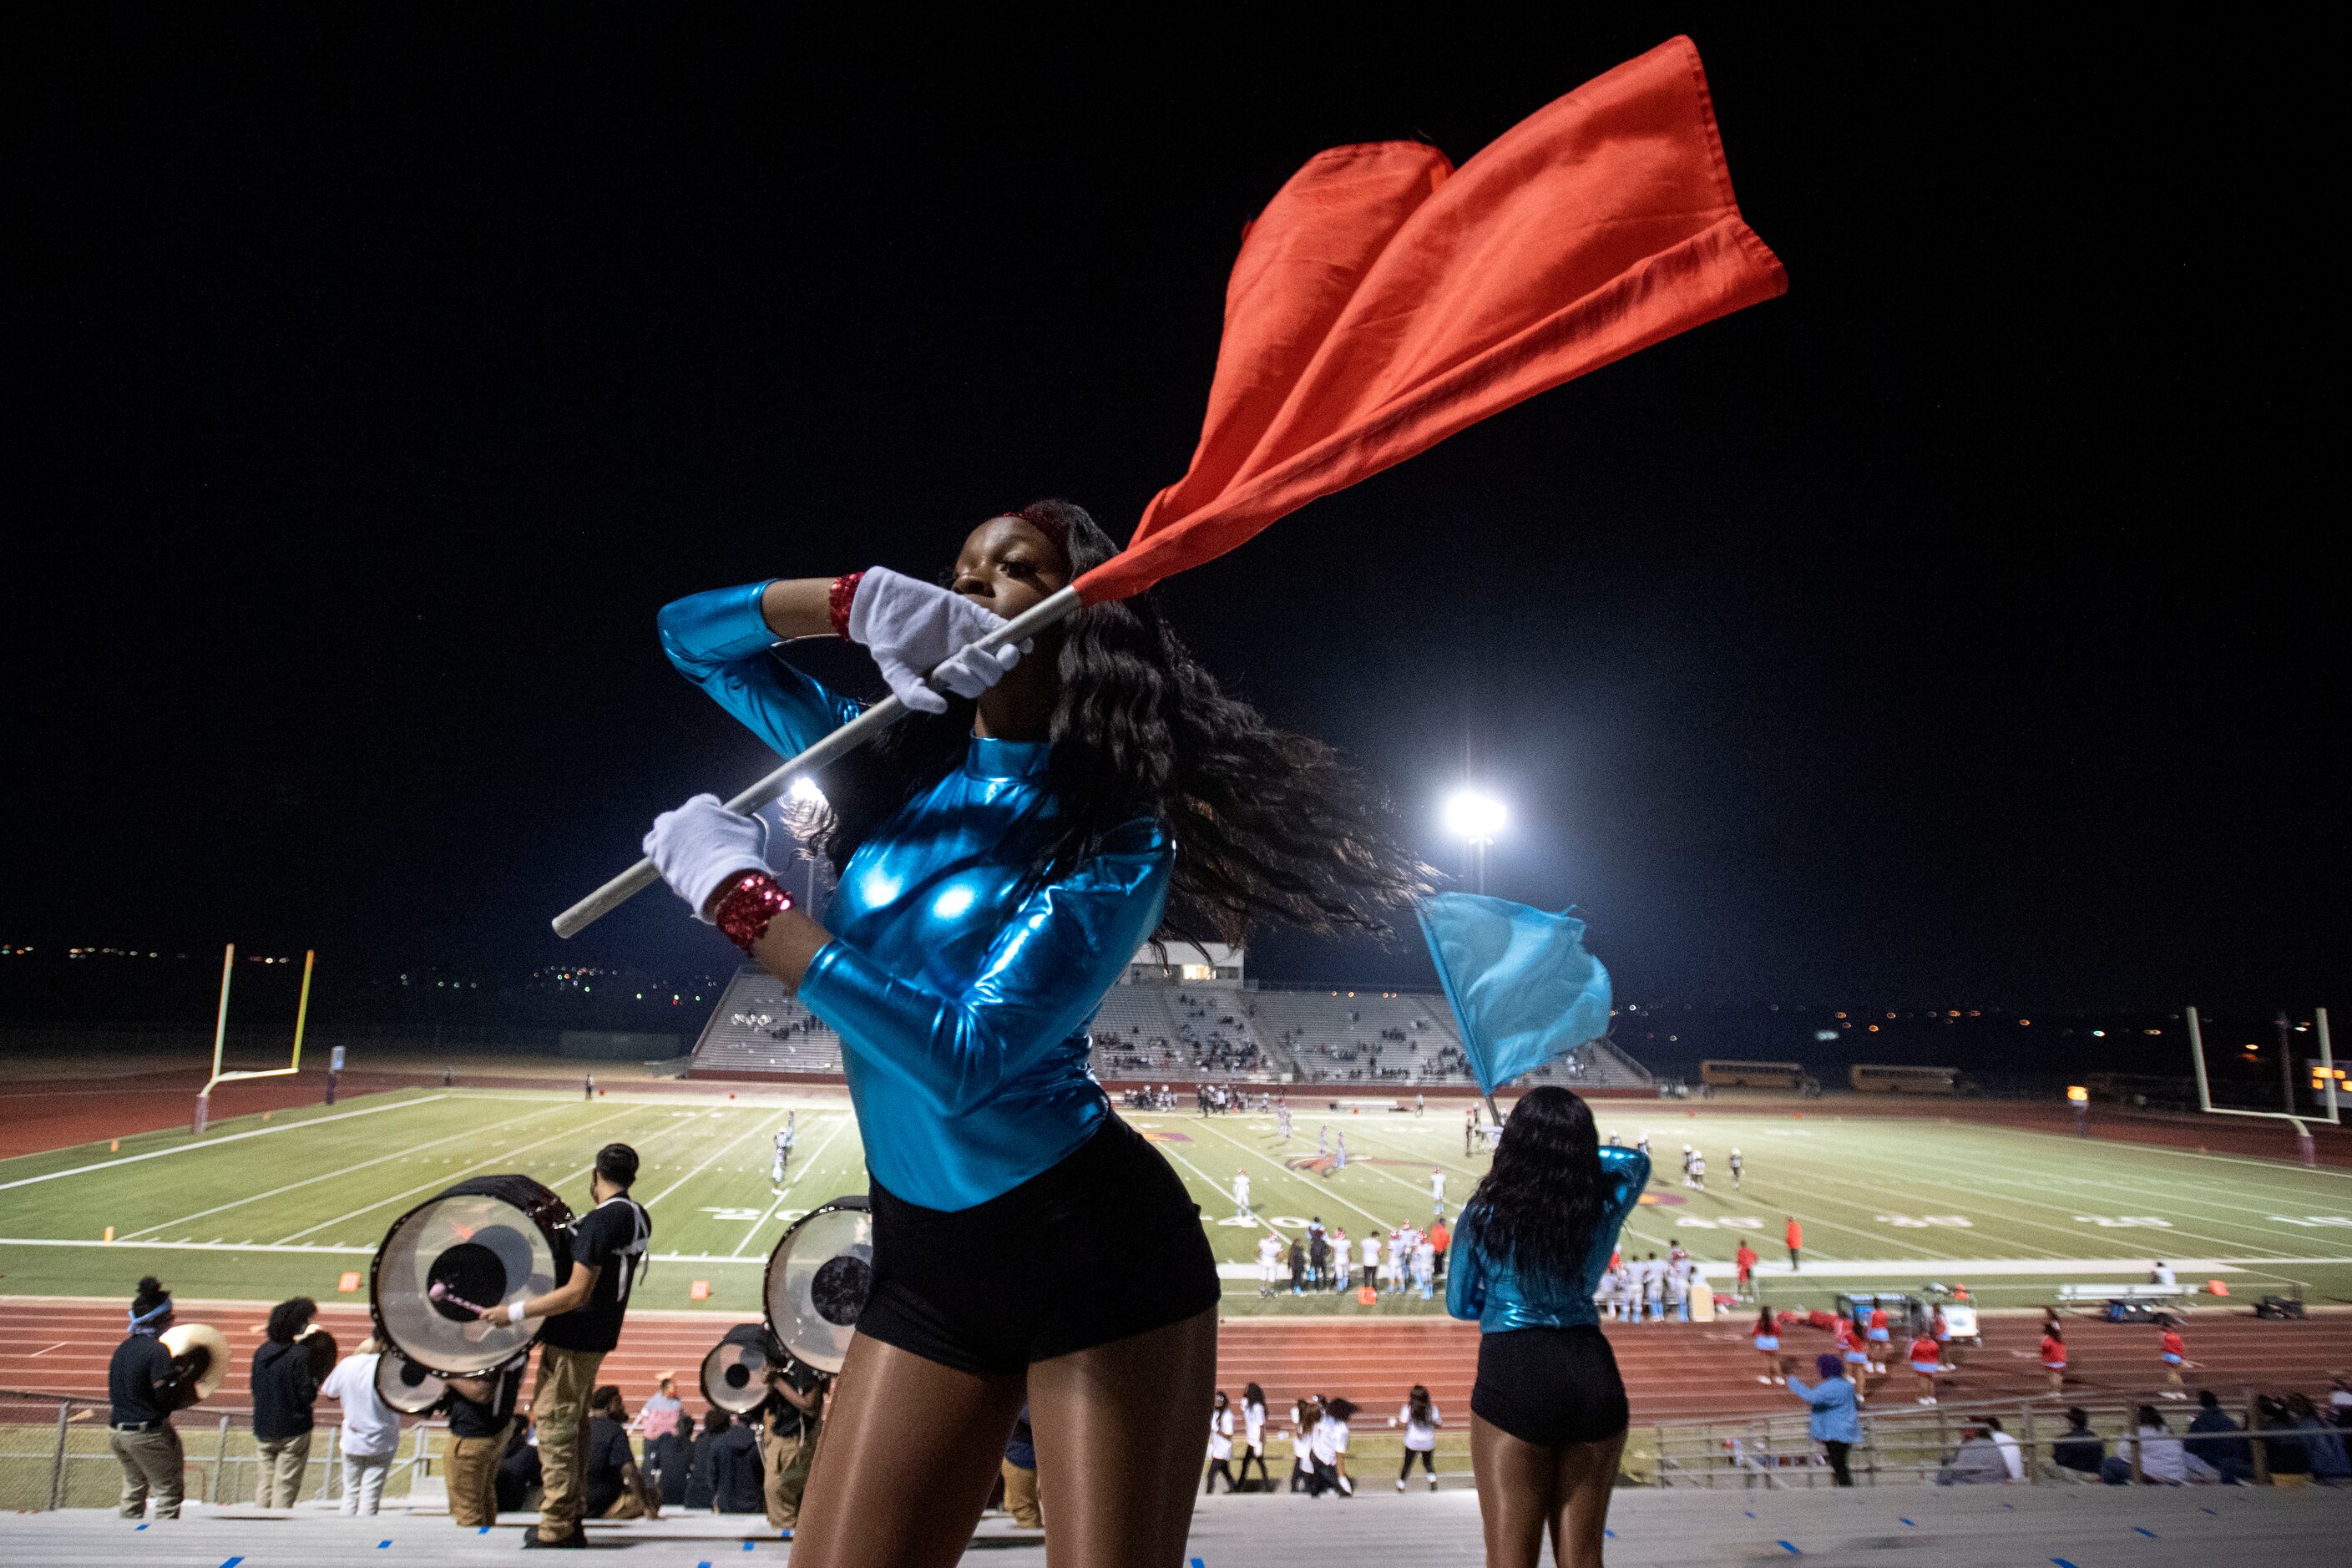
[
  {"x": 2324, "y": 1085},
  {"x": 220, "y": 1036}
]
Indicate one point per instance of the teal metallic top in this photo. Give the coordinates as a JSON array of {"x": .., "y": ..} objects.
[
  {"x": 962, "y": 984},
  {"x": 1480, "y": 1285}
]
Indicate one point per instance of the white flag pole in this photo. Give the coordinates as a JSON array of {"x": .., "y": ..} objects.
[{"x": 1042, "y": 617}]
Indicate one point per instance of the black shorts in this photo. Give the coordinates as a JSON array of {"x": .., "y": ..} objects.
[
  {"x": 1103, "y": 1245},
  {"x": 1550, "y": 1386}
]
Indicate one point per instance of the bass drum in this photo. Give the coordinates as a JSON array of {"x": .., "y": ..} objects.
[
  {"x": 818, "y": 1278},
  {"x": 480, "y": 1244},
  {"x": 407, "y": 1386},
  {"x": 735, "y": 1373}
]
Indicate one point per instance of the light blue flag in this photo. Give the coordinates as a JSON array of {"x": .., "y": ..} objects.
[{"x": 1522, "y": 987}]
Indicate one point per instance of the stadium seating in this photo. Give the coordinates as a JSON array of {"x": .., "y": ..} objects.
[{"x": 1189, "y": 1033}]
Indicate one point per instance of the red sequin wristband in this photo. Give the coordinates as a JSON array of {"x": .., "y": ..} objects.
[
  {"x": 837, "y": 603},
  {"x": 746, "y": 909}
]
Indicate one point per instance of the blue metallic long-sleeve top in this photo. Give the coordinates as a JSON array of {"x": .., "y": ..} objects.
[
  {"x": 960, "y": 983},
  {"x": 1479, "y": 1285}
]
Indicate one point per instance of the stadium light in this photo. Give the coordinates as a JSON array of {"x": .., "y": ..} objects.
[{"x": 1476, "y": 817}]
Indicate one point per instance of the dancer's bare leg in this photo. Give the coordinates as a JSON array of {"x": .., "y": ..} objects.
[
  {"x": 1517, "y": 1482},
  {"x": 1118, "y": 1445},
  {"x": 1587, "y": 1472},
  {"x": 903, "y": 1461}
]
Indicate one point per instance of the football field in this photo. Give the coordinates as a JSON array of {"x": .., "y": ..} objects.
[{"x": 258, "y": 1210}]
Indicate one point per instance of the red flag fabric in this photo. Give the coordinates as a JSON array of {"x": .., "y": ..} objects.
[{"x": 1383, "y": 300}]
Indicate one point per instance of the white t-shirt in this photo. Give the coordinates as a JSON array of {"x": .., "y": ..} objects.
[
  {"x": 1302, "y": 1445},
  {"x": 1371, "y": 1252},
  {"x": 2164, "y": 1275},
  {"x": 1254, "y": 1427},
  {"x": 1241, "y": 1190},
  {"x": 370, "y": 1426},
  {"x": 1437, "y": 1184},
  {"x": 1424, "y": 1258},
  {"x": 1269, "y": 1256},
  {"x": 1420, "y": 1439},
  {"x": 1329, "y": 1440},
  {"x": 1220, "y": 1433},
  {"x": 2013, "y": 1456}
]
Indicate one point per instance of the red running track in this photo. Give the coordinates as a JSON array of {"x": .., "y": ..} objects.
[{"x": 1673, "y": 1371}]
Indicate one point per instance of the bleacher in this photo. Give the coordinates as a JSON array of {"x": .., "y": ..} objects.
[
  {"x": 1165, "y": 1032},
  {"x": 759, "y": 1028}
]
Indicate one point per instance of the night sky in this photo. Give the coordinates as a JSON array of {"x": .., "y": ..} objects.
[{"x": 1954, "y": 630}]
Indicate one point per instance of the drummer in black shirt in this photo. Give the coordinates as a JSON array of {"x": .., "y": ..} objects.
[
  {"x": 584, "y": 1323},
  {"x": 480, "y": 1410},
  {"x": 142, "y": 1387}
]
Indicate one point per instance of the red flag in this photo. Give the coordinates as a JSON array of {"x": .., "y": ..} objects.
[{"x": 1383, "y": 300}]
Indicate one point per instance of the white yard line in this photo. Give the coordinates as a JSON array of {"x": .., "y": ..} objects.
[
  {"x": 786, "y": 1190},
  {"x": 452, "y": 1177},
  {"x": 757, "y": 1126},
  {"x": 331, "y": 1175},
  {"x": 217, "y": 1142},
  {"x": 46, "y": 1348},
  {"x": 1170, "y": 1150}
]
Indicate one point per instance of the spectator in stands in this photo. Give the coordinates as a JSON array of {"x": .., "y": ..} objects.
[
  {"x": 2322, "y": 1442},
  {"x": 2012, "y": 1453},
  {"x": 662, "y": 1408},
  {"x": 1833, "y": 1423},
  {"x": 2078, "y": 1448},
  {"x": 285, "y": 1390},
  {"x": 2339, "y": 1400},
  {"x": 1978, "y": 1461},
  {"x": 518, "y": 1469},
  {"x": 612, "y": 1486},
  {"x": 2162, "y": 1460},
  {"x": 737, "y": 1479},
  {"x": 702, "y": 1466},
  {"x": 671, "y": 1459},
  {"x": 2214, "y": 1438}
]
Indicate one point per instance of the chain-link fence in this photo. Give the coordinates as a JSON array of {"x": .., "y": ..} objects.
[{"x": 58, "y": 1453}]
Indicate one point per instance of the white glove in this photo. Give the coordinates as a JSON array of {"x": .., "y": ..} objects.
[
  {"x": 701, "y": 845},
  {"x": 914, "y": 627}
]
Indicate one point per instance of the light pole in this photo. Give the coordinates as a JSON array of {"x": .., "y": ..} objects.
[{"x": 1476, "y": 817}]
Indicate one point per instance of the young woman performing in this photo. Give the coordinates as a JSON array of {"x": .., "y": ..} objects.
[
  {"x": 1254, "y": 1435},
  {"x": 1547, "y": 1413},
  {"x": 1220, "y": 1446},
  {"x": 1420, "y": 1418},
  {"x": 1766, "y": 1335},
  {"x": 1001, "y": 855}
]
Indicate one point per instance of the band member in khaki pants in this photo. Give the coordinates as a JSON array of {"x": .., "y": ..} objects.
[
  {"x": 795, "y": 1413},
  {"x": 285, "y": 1382},
  {"x": 481, "y": 1415},
  {"x": 140, "y": 1384}
]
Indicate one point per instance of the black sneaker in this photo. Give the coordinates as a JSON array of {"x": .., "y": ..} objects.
[{"x": 575, "y": 1541}]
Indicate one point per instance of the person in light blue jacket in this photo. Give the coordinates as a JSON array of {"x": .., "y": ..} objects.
[
  {"x": 1834, "y": 1424},
  {"x": 1548, "y": 1414}
]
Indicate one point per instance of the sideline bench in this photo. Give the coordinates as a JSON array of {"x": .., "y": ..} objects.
[{"x": 2127, "y": 1304}]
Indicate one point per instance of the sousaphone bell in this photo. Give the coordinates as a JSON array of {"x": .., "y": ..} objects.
[{"x": 199, "y": 1355}]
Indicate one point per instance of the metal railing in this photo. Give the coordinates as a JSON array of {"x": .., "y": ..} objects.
[
  {"x": 58, "y": 1453},
  {"x": 1906, "y": 1444}
]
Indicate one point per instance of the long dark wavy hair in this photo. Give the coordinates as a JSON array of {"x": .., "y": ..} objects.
[
  {"x": 1268, "y": 825},
  {"x": 1541, "y": 1201}
]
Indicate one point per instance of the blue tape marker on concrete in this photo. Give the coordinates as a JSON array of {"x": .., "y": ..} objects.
[
  {"x": 1751, "y": 1514},
  {"x": 1899, "y": 1518},
  {"x": 1198, "y": 1563},
  {"x": 747, "y": 1546},
  {"x": 2209, "y": 1511},
  {"x": 143, "y": 1527},
  {"x": 1609, "y": 1534},
  {"x": 232, "y": 1562},
  {"x": 1791, "y": 1549},
  {"x": 2061, "y": 1562},
  {"x": 382, "y": 1545},
  {"x": 483, "y": 1531},
  {"x": 2149, "y": 1533}
]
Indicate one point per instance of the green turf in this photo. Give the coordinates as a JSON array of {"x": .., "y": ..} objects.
[{"x": 1892, "y": 1202}]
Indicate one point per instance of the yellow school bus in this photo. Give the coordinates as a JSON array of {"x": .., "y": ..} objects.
[
  {"x": 1755, "y": 1075},
  {"x": 1875, "y": 1078}
]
